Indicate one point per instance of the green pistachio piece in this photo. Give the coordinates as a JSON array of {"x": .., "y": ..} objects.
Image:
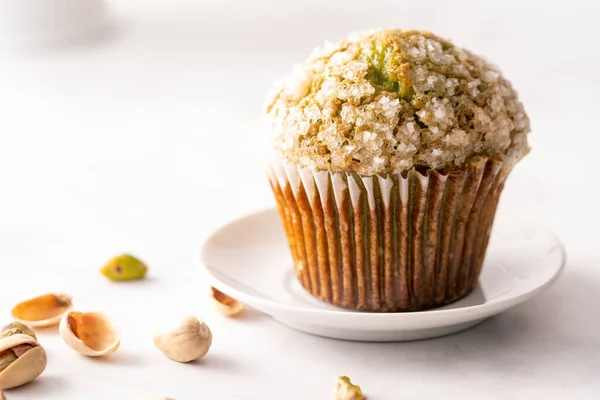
[
  {"x": 124, "y": 268},
  {"x": 388, "y": 67},
  {"x": 345, "y": 390},
  {"x": 7, "y": 357},
  {"x": 16, "y": 328}
]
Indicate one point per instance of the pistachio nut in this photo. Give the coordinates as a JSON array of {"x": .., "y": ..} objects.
[
  {"x": 345, "y": 390},
  {"x": 124, "y": 268},
  {"x": 41, "y": 311},
  {"x": 184, "y": 340},
  {"x": 224, "y": 304},
  {"x": 92, "y": 334},
  {"x": 22, "y": 359},
  {"x": 15, "y": 328}
]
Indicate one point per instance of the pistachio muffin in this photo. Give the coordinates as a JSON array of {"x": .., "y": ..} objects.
[{"x": 391, "y": 151}]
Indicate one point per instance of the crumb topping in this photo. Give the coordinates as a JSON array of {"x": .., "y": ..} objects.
[{"x": 391, "y": 100}]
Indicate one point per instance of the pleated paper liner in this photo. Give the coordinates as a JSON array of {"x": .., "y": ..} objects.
[{"x": 393, "y": 243}]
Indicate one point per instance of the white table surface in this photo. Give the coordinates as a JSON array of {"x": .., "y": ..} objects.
[{"x": 147, "y": 138}]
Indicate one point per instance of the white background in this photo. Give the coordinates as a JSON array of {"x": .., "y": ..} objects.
[{"x": 146, "y": 138}]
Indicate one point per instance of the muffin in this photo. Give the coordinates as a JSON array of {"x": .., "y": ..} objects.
[{"x": 391, "y": 149}]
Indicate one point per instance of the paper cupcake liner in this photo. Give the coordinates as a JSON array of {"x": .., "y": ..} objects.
[{"x": 388, "y": 243}]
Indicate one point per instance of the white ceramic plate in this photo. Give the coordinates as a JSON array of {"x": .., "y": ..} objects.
[{"x": 248, "y": 259}]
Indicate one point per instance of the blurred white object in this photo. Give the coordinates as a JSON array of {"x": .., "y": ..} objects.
[{"x": 35, "y": 22}]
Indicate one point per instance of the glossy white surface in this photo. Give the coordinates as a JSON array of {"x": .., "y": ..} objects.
[
  {"x": 249, "y": 260},
  {"x": 115, "y": 145}
]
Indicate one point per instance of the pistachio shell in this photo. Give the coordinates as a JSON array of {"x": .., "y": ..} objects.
[
  {"x": 28, "y": 366},
  {"x": 346, "y": 390},
  {"x": 45, "y": 310},
  {"x": 124, "y": 268},
  {"x": 2, "y": 396},
  {"x": 224, "y": 304},
  {"x": 16, "y": 340},
  {"x": 15, "y": 328},
  {"x": 25, "y": 369},
  {"x": 92, "y": 334}
]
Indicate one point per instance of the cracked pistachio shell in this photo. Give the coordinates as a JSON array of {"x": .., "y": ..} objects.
[
  {"x": 124, "y": 268},
  {"x": 224, "y": 304},
  {"x": 92, "y": 334},
  {"x": 2, "y": 396},
  {"x": 41, "y": 311},
  {"x": 22, "y": 359},
  {"x": 16, "y": 328},
  {"x": 345, "y": 390}
]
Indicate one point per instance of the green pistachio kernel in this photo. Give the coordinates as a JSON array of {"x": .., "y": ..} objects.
[
  {"x": 388, "y": 69},
  {"x": 7, "y": 357},
  {"x": 124, "y": 268},
  {"x": 345, "y": 390},
  {"x": 16, "y": 328}
]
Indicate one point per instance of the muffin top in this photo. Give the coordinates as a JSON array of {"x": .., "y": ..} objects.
[{"x": 392, "y": 100}]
